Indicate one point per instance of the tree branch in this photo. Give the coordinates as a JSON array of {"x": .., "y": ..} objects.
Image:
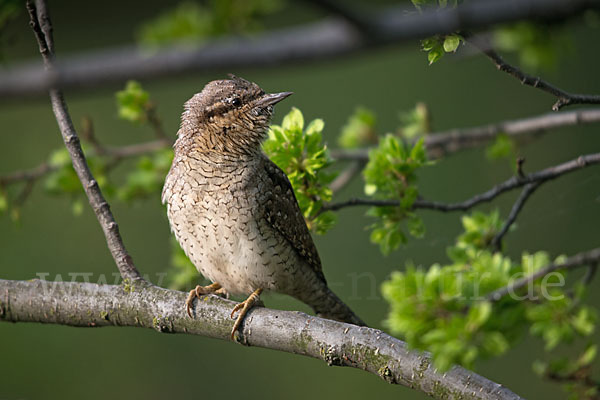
[
  {"x": 439, "y": 144},
  {"x": 563, "y": 98},
  {"x": 115, "y": 154},
  {"x": 514, "y": 212},
  {"x": 591, "y": 257},
  {"x": 336, "y": 343},
  {"x": 319, "y": 40},
  {"x": 40, "y": 23},
  {"x": 510, "y": 184},
  {"x": 346, "y": 176}
]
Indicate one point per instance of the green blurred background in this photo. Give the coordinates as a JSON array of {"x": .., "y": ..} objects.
[{"x": 38, "y": 361}]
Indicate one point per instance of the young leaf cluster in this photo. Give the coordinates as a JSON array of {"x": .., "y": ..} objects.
[
  {"x": 391, "y": 174},
  {"x": 147, "y": 177},
  {"x": 444, "y": 309},
  {"x": 359, "y": 131},
  {"x": 300, "y": 153},
  {"x": 64, "y": 181},
  {"x": 190, "y": 22},
  {"x": 438, "y": 45},
  {"x": 133, "y": 102},
  {"x": 538, "y": 46}
]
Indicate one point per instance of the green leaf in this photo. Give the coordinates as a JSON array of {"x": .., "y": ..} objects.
[
  {"x": 501, "y": 147},
  {"x": 391, "y": 174},
  {"x": 478, "y": 315},
  {"x": 3, "y": 202},
  {"x": 293, "y": 121},
  {"x": 415, "y": 123},
  {"x": 77, "y": 207},
  {"x": 429, "y": 43},
  {"x": 583, "y": 321},
  {"x": 588, "y": 356},
  {"x": 416, "y": 227},
  {"x": 315, "y": 127},
  {"x": 304, "y": 158},
  {"x": 538, "y": 46},
  {"x": 435, "y": 54},
  {"x": 191, "y": 23},
  {"x": 132, "y": 102},
  {"x": 451, "y": 43},
  {"x": 359, "y": 129}
]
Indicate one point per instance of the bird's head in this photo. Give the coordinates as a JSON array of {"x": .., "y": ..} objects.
[{"x": 228, "y": 117}]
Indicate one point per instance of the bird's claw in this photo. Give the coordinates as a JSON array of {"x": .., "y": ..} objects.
[
  {"x": 244, "y": 306},
  {"x": 199, "y": 291}
]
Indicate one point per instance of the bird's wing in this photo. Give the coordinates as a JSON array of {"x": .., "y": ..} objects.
[{"x": 283, "y": 214}]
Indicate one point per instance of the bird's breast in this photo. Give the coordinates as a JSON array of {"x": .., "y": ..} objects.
[{"x": 217, "y": 216}]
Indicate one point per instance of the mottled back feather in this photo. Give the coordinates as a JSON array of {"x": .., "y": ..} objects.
[{"x": 283, "y": 213}]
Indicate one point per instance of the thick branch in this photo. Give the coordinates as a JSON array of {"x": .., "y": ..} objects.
[
  {"x": 314, "y": 41},
  {"x": 591, "y": 257},
  {"x": 41, "y": 25},
  {"x": 440, "y": 144},
  {"x": 510, "y": 184},
  {"x": 336, "y": 343}
]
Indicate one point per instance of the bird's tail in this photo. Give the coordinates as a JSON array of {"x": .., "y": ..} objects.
[{"x": 327, "y": 305}]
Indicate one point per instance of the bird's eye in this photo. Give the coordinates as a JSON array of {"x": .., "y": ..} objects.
[{"x": 236, "y": 101}]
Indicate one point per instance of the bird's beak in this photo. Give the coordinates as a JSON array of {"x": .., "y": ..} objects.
[{"x": 270, "y": 99}]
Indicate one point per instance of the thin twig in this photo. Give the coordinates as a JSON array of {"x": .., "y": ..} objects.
[
  {"x": 155, "y": 122},
  {"x": 510, "y": 184},
  {"x": 589, "y": 274},
  {"x": 41, "y": 25},
  {"x": 564, "y": 98},
  {"x": 437, "y": 144},
  {"x": 514, "y": 212},
  {"x": 581, "y": 259},
  {"x": 346, "y": 176},
  {"x": 115, "y": 155},
  {"x": 442, "y": 143},
  {"x": 26, "y": 175},
  {"x": 321, "y": 40},
  {"x": 89, "y": 135}
]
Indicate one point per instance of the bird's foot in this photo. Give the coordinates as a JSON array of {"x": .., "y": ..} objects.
[
  {"x": 214, "y": 288},
  {"x": 244, "y": 307}
]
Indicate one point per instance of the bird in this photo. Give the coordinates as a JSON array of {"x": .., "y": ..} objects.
[{"x": 234, "y": 211}]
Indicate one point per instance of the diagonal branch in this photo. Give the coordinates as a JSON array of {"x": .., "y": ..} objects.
[
  {"x": 336, "y": 343},
  {"x": 510, "y": 184},
  {"x": 365, "y": 25},
  {"x": 514, "y": 212},
  {"x": 564, "y": 98},
  {"x": 591, "y": 257},
  {"x": 40, "y": 23}
]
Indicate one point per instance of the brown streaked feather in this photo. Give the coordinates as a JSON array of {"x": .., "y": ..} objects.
[{"x": 284, "y": 215}]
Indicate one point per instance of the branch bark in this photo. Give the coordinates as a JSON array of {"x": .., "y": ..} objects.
[
  {"x": 40, "y": 23},
  {"x": 564, "y": 98},
  {"x": 514, "y": 213},
  {"x": 319, "y": 40},
  {"x": 144, "y": 305},
  {"x": 510, "y": 184},
  {"x": 439, "y": 144},
  {"x": 591, "y": 258}
]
